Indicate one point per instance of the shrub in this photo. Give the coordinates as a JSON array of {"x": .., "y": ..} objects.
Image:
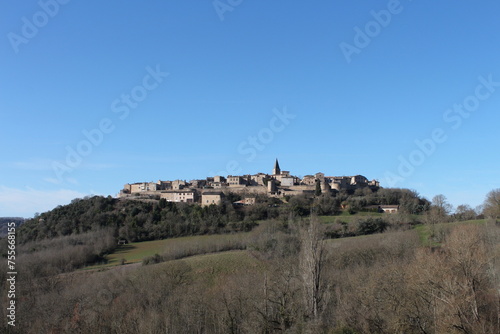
[
  {"x": 157, "y": 258},
  {"x": 371, "y": 226}
]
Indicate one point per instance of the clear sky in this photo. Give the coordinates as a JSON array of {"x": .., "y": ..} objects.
[{"x": 96, "y": 94}]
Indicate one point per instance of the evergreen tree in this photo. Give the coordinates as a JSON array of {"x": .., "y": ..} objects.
[{"x": 317, "y": 192}]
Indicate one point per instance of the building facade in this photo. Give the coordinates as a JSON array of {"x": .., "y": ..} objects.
[{"x": 212, "y": 189}]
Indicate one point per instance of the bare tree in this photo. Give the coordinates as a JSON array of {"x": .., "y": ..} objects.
[
  {"x": 312, "y": 260},
  {"x": 438, "y": 213},
  {"x": 491, "y": 204},
  {"x": 440, "y": 203},
  {"x": 281, "y": 308},
  {"x": 465, "y": 212},
  {"x": 454, "y": 284}
]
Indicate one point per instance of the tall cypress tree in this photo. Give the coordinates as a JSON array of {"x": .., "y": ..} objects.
[{"x": 317, "y": 192}]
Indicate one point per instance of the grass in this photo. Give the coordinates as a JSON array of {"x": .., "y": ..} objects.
[
  {"x": 211, "y": 266},
  {"x": 346, "y": 217},
  {"x": 425, "y": 231},
  {"x": 424, "y": 234},
  {"x": 363, "y": 213},
  {"x": 135, "y": 252},
  {"x": 206, "y": 269},
  {"x": 132, "y": 253}
]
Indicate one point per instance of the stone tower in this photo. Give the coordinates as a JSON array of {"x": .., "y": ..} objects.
[
  {"x": 276, "y": 169},
  {"x": 271, "y": 186}
]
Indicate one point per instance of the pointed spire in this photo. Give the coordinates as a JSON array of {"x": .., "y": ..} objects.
[{"x": 276, "y": 169}]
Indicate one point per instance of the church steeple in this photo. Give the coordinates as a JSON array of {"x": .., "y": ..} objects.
[{"x": 276, "y": 169}]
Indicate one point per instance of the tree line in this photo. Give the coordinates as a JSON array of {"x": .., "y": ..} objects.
[{"x": 137, "y": 220}]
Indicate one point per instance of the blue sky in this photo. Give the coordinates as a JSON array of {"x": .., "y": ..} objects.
[{"x": 97, "y": 94}]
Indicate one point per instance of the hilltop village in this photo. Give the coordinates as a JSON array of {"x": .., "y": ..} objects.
[{"x": 213, "y": 189}]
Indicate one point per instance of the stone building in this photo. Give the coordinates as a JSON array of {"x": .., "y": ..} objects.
[
  {"x": 179, "y": 196},
  {"x": 211, "y": 197},
  {"x": 279, "y": 183}
]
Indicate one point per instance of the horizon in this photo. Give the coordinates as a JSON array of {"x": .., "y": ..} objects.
[
  {"x": 97, "y": 95},
  {"x": 188, "y": 179}
]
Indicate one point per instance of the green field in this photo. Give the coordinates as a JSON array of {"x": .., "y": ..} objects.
[
  {"x": 211, "y": 266},
  {"x": 425, "y": 231},
  {"x": 346, "y": 217},
  {"x": 135, "y": 252}
]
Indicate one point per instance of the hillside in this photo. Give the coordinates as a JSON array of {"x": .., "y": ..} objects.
[
  {"x": 6, "y": 220},
  {"x": 84, "y": 232},
  {"x": 265, "y": 287},
  {"x": 132, "y": 220},
  {"x": 141, "y": 220},
  {"x": 322, "y": 264}
]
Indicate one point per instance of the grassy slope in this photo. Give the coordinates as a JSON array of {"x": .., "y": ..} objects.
[
  {"x": 206, "y": 269},
  {"x": 425, "y": 231},
  {"x": 211, "y": 266},
  {"x": 347, "y": 217},
  {"x": 135, "y": 252}
]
